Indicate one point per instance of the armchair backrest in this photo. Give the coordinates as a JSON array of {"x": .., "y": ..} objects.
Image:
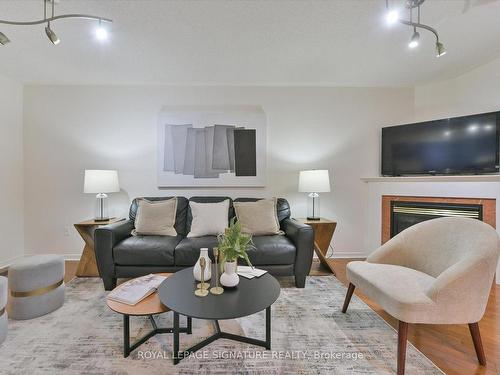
[
  {"x": 435, "y": 245},
  {"x": 460, "y": 253}
]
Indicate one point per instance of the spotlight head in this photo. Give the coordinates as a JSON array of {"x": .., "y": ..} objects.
[
  {"x": 440, "y": 50},
  {"x": 101, "y": 33},
  {"x": 3, "y": 39},
  {"x": 52, "y": 35},
  {"x": 415, "y": 38},
  {"x": 392, "y": 17}
]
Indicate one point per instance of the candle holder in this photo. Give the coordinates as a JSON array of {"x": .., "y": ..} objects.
[
  {"x": 203, "y": 284},
  {"x": 216, "y": 289},
  {"x": 202, "y": 291}
]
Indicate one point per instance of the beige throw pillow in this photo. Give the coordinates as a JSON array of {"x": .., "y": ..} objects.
[
  {"x": 258, "y": 218},
  {"x": 155, "y": 218},
  {"x": 209, "y": 219}
]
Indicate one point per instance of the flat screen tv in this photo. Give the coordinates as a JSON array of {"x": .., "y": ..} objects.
[{"x": 453, "y": 146}]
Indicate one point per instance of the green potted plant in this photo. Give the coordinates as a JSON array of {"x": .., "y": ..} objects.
[{"x": 233, "y": 244}]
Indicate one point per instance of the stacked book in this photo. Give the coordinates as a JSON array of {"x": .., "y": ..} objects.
[{"x": 134, "y": 291}]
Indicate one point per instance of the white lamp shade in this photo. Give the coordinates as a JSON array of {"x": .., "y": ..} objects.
[
  {"x": 101, "y": 181},
  {"x": 314, "y": 181}
]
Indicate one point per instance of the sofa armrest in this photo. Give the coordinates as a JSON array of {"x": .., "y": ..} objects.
[
  {"x": 106, "y": 237},
  {"x": 302, "y": 236}
]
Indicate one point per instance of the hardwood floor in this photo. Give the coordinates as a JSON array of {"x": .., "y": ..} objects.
[{"x": 450, "y": 347}]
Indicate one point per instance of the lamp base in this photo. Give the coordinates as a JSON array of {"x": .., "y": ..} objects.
[{"x": 313, "y": 218}]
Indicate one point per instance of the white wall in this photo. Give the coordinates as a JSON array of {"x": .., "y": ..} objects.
[
  {"x": 71, "y": 128},
  {"x": 474, "y": 92},
  {"x": 11, "y": 171}
]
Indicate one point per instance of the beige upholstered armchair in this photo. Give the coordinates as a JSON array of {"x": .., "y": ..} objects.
[{"x": 436, "y": 272}]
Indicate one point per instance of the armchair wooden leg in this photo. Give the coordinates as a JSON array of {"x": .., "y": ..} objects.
[
  {"x": 350, "y": 291},
  {"x": 478, "y": 344},
  {"x": 402, "y": 337}
]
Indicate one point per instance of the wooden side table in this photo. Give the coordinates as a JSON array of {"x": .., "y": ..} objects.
[
  {"x": 323, "y": 234},
  {"x": 149, "y": 306},
  {"x": 87, "y": 267}
]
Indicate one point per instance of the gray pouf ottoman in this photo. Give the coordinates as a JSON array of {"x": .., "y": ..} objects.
[
  {"x": 3, "y": 312},
  {"x": 36, "y": 286}
]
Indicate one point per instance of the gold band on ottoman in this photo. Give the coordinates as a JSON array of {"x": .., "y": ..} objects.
[{"x": 37, "y": 292}]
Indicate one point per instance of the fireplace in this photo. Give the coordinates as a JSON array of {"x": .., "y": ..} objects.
[
  {"x": 406, "y": 214},
  {"x": 401, "y": 212}
]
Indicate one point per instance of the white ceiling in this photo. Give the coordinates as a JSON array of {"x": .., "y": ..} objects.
[{"x": 326, "y": 43}]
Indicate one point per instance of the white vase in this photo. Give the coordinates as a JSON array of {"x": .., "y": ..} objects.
[
  {"x": 230, "y": 277},
  {"x": 208, "y": 266}
]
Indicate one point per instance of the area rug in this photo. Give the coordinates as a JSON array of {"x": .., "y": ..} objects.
[{"x": 310, "y": 335}]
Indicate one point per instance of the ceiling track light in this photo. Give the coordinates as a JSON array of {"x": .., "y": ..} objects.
[
  {"x": 415, "y": 38},
  {"x": 48, "y": 30},
  {"x": 52, "y": 35},
  {"x": 414, "y": 41},
  {"x": 101, "y": 33},
  {"x": 3, "y": 39}
]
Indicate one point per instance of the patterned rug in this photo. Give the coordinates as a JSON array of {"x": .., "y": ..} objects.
[{"x": 310, "y": 335}]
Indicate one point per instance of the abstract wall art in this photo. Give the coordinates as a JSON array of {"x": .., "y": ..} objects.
[{"x": 212, "y": 146}]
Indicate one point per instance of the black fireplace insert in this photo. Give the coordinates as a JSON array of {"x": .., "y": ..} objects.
[{"x": 406, "y": 214}]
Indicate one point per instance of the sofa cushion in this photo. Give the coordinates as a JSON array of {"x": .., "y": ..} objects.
[
  {"x": 187, "y": 251},
  {"x": 272, "y": 250},
  {"x": 206, "y": 199},
  {"x": 258, "y": 218},
  {"x": 155, "y": 218},
  {"x": 146, "y": 250},
  {"x": 209, "y": 219},
  {"x": 180, "y": 216},
  {"x": 282, "y": 206}
]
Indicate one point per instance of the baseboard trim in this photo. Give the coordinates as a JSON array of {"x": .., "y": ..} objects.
[
  {"x": 348, "y": 254},
  {"x": 65, "y": 256},
  {"x": 71, "y": 256}
]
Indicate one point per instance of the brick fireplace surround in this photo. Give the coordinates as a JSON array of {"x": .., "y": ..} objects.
[{"x": 489, "y": 208}]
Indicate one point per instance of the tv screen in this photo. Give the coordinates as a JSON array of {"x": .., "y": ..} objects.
[{"x": 459, "y": 145}]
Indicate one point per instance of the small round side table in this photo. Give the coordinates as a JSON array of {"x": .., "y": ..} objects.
[{"x": 149, "y": 306}]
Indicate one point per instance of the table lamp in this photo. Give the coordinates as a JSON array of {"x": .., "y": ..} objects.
[
  {"x": 313, "y": 182},
  {"x": 101, "y": 182}
]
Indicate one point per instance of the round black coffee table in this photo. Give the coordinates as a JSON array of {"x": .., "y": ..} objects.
[{"x": 249, "y": 297}]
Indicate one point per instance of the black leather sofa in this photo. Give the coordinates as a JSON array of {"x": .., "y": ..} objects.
[{"x": 119, "y": 254}]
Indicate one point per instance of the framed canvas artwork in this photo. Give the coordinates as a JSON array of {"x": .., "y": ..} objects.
[{"x": 212, "y": 146}]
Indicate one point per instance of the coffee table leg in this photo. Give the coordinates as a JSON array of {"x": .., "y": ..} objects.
[
  {"x": 268, "y": 328},
  {"x": 189, "y": 325},
  {"x": 176, "y": 338},
  {"x": 126, "y": 336}
]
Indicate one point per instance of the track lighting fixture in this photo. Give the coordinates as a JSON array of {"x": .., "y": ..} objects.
[
  {"x": 101, "y": 32},
  {"x": 393, "y": 16},
  {"x": 52, "y": 35},
  {"x": 415, "y": 38},
  {"x": 440, "y": 50},
  {"x": 3, "y": 39}
]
